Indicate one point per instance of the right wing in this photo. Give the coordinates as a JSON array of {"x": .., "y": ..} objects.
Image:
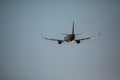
[{"x": 91, "y": 37}]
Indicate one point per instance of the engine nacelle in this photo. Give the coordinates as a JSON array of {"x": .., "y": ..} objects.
[
  {"x": 59, "y": 42},
  {"x": 78, "y": 41}
]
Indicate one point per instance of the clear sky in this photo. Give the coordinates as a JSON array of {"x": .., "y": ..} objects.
[{"x": 25, "y": 55}]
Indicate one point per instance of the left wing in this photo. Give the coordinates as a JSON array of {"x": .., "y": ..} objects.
[
  {"x": 54, "y": 39},
  {"x": 59, "y": 41}
]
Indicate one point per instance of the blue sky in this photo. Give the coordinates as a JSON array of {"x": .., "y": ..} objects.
[{"x": 25, "y": 55}]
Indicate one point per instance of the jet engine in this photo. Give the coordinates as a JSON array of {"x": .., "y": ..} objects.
[
  {"x": 59, "y": 42},
  {"x": 78, "y": 41}
]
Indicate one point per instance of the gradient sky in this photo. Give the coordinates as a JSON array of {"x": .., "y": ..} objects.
[{"x": 25, "y": 55}]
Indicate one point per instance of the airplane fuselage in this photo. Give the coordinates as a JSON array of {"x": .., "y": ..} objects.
[{"x": 69, "y": 38}]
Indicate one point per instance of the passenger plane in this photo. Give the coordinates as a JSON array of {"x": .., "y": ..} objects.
[{"x": 71, "y": 37}]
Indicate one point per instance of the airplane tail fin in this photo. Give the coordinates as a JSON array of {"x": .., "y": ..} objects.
[{"x": 73, "y": 28}]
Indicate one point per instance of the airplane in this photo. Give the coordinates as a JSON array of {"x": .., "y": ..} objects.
[{"x": 69, "y": 38}]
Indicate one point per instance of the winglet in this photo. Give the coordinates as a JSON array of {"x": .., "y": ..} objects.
[{"x": 43, "y": 36}]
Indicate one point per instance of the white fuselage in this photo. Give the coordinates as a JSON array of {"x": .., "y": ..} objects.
[{"x": 69, "y": 38}]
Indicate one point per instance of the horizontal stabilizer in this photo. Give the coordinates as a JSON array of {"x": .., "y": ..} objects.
[
  {"x": 79, "y": 34},
  {"x": 66, "y": 34}
]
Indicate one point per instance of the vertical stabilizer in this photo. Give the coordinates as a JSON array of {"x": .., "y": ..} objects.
[{"x": 73, "y": 28}]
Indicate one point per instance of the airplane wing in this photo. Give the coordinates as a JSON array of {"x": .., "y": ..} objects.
[
  {"x": 59, "y": 41},
  {"x": 83, "y": 39},
  {"x": 91, "y": 37},
  {"x": 54, "y": 39}
]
